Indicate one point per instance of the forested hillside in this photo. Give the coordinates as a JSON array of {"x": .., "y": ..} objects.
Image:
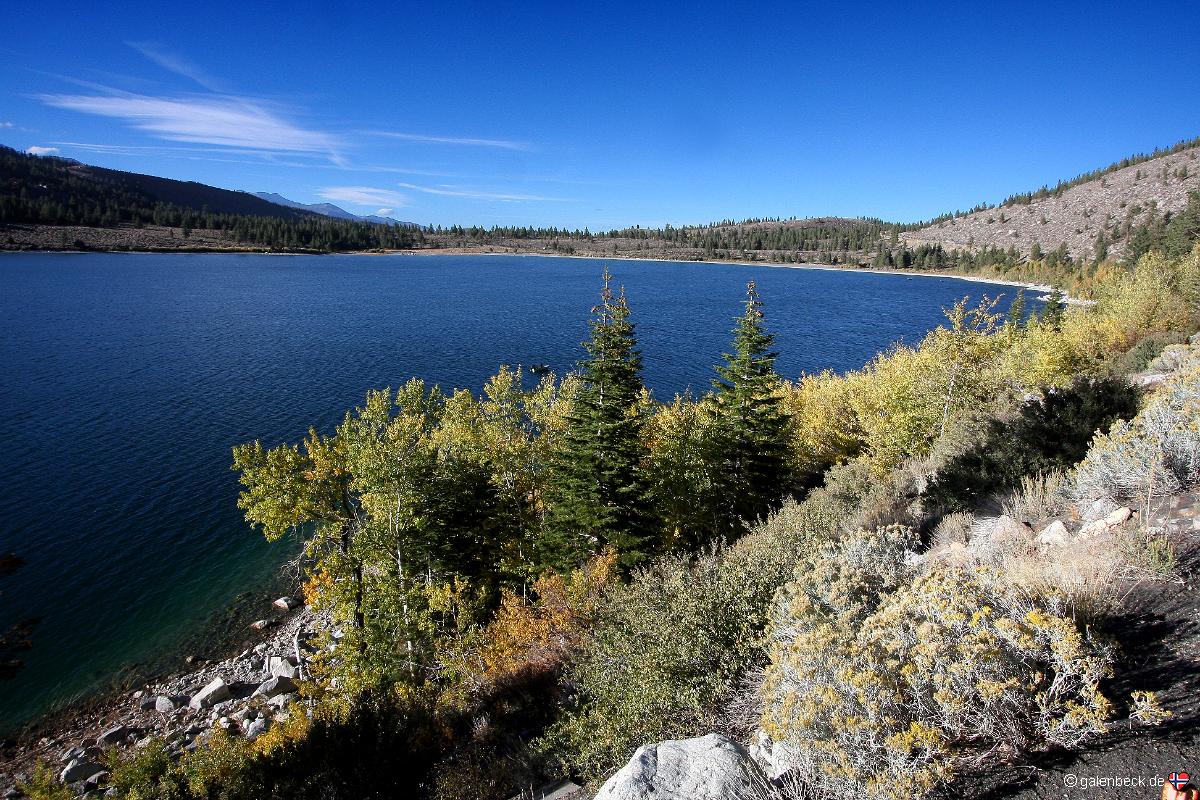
[
  {"x": 38, "y": 191},
  {"x": 1120, "y": 211}
]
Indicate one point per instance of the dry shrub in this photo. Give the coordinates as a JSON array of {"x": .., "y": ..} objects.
[
  {"x": 953, "y": 529},
  {"x": 1157, "y": 453},
  {"x": 1089, "y": 576},
  {"x": 535, "y": 634},
  {"x": 1039, "y": 498},
  {"x": 886, "y": 686}
]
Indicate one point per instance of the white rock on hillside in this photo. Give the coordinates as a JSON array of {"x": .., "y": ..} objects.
[
  {"x": 1055, "y": 534},
  {"x": 210, "y": 695},
  {"x": 711, "y": 767},
  {"x": 280, "y": 667}
]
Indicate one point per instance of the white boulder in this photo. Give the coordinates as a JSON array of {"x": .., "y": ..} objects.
[
  {"x": 280, "y": 667},
  {"x": 1118, "y": 517},
  {"x": 209, "y": 696},
  {"x": 711, "y": 767},
  {"x": 275, "y": 686},
  {"x": 80, "y": 770},
  {"x": 1054, "y": 535}
]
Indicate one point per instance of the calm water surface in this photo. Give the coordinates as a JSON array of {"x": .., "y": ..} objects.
[{"x": 126, "y": 379}]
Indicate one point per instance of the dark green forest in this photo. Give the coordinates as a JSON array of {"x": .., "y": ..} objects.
[{"x": 54, "y": 191}]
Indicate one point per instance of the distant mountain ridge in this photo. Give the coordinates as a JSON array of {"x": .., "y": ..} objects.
[{"x": 330, "y": 210}]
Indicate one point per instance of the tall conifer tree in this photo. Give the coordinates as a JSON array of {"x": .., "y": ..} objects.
[
  {"x": 599, "y": 495},
  {"x": 752, "y": 424}
]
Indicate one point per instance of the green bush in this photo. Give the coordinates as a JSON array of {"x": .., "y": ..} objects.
[
  {"x": 44, "y": 785},
  {"x": 1048, "y": 434},
  {"x": 146, "y": 773},
  {"x": 669, "y": 648},
  {"x": 1139, "y": 357},
  {"x": 883, "y": 685}
]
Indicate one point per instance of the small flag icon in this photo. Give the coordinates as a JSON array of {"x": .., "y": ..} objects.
[{"x": 1179, "y": 779}]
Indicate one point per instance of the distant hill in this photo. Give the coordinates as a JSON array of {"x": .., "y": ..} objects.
[
  {"x": 58, "y": 203},
  {"x": 1093, "y": 215},
  {"x": 79, "y": 186},
  {"x": 329, "y": 210}
]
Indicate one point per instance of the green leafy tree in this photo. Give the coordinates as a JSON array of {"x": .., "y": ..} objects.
[
  {"x": 402, "y": 522},
  {"x": 599, "y": 495},
  {"x": 752, "y": 437}
]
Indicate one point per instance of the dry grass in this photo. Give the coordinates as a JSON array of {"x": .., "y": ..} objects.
[
  {"x": 953, "y": 529},
  {"x": 1039, "y": 499}
]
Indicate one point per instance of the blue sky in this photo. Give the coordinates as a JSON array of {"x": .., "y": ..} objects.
[{"x": 605, "y": 115}]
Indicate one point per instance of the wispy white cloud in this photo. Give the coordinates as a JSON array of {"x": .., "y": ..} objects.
[
  {"x": 224, "y": 121},
  {"x": 206, "y": 154},
  {"x": 363, "y": 196},
  {"x": 41, "y": 151},
  {"x": 175, "y": 63},
  {"x": 458, "y": 191},
  {"x": 7, "y": 125},
  {"x": 383, "y": 212},
  {"x": 504, "y": 144}
]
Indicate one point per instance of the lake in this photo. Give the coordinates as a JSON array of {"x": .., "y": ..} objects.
[{"x": 128, "y": 378}]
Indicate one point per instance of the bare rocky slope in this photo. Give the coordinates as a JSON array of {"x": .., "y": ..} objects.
[{"x": 1078, "y": 215}]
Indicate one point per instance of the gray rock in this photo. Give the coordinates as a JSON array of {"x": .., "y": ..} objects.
[
  {"x": 257, "y": 728},
  {"x": 146, "y": 702},
  {"x": 72, "y": 754},
  {"x": 275, "y": 686},
  {"x": 278, "y": 667},
  {"x": 210, "y": 695},
  {"x": 79, "y": 770},
  {"x": 1099, "y": 509},
  {"x": 164, "y": 704},
  {"x": 113, "y": 736},
  {"x": 1006, "y": 528},
  {"x": 281, "y": 700},
  {"x": 711, "y": 767},
  {"x": 287, "y": 603}
]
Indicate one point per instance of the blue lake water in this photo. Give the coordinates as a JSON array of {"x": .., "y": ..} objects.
[{"x": 126, "y": 379}]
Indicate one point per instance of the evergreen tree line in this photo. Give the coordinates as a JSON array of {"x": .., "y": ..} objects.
[{"x": 1171, "y": 234}]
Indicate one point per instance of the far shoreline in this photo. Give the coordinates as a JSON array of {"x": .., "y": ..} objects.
[
  {"x": 453, "y": 251},
  {"x": 460, "y": 251}
]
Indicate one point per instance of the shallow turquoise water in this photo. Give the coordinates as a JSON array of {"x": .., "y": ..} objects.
[{"x": 126, "y": 379}]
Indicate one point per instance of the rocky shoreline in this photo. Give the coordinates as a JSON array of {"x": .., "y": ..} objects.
[{"x": 244, "y": 694}]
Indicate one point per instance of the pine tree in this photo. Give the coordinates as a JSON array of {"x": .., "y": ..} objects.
[
  {"x": 753, "y": 428},
  {"x": 1052, "y": 312},
  {"x": 599, "y": 495},
  {"x": 1016, "y": 312}
]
